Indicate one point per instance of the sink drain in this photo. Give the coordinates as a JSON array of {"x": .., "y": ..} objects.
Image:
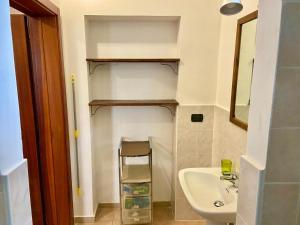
[{"x": 218, "y": 204}]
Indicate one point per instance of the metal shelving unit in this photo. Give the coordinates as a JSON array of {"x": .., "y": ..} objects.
[{"x": 135, "y": 182}]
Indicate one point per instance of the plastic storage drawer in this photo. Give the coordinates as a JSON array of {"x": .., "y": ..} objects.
[
  {"x": 136, "y": 216},
  {"x": 136, "y": 202},
  {"x": 136, "y": 189}
]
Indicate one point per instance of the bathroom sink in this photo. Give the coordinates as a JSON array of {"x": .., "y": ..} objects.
[{"x": 214, "y": 199}]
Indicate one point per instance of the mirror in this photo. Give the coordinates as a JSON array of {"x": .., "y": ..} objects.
[{"x": 243, "y": 70}]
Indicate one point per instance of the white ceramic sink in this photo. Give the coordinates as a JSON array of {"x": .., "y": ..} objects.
[{"x": 202, "y": 188}]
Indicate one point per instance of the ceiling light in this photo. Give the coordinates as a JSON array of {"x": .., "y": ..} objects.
[{"x": 231, "y": 7}]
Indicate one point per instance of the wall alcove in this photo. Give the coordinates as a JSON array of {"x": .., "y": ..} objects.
[{"x": 132, "y": 61}]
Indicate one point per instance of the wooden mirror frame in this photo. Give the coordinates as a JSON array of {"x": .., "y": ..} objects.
[{"x": 241, "y": 22}]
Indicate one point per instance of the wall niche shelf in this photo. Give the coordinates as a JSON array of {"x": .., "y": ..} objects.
[
  {"x": 170, "y": 104},
  {"x": 94, "y": 63}
]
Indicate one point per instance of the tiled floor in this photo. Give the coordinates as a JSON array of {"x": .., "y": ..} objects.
[{"x": 161, "y": 216}]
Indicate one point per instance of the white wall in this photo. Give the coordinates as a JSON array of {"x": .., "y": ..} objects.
[
  {"x": 229, "y": 141},
  {"x": 10, "y": 131},
  {"x": 198, "y": 46},
  {"x": 56, "y": 2},
  {"x": 254, "y": 162},
  {"x": 110, "y": 124},
  {"x": 264, "y": 81},
  {"x": 11, "y": 154},
  {"x": 132, "y": 37},
  {"x": 226, "y": 53}
]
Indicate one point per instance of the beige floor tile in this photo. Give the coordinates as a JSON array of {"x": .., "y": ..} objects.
[
  {"x": 84, "y": 223},
  {"x": 117, "y": 214},
  {"x": 106, "y": 214},
  {"x": 166, "y": 222},
  {"x": 103, "y": 223},
  {"x": 162, "y": 214},
  {"x": 117, "y": 222},
  {"x": 190, "y": 222},
  {"x": 96, "y": 223}
]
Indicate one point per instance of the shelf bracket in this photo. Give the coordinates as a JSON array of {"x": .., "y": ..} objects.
[
  {"x": 172, "y": 109},
  {"x": 173, "y": 67},
  {"x": 92, "y": 67},
  {"x": 94, "y": 110}
]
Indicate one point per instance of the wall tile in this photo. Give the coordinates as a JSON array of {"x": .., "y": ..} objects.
[
  {"x": 17, "y": 194},
  {"x": 184, "y": 211},
  {"x": 286, "y": 107},
  {"x": 298, "y": 216},
  {"x": 199, "y": 143},
  {"x": 280, "y": 204},
  {"x": 239, "y": 220},
  {"x": 249, "y": 186},
  {"x": 1, "y": 184},
  {"x": 194, "y": 149},
  {"x": 290, "y": 35},
  {"x": 194, "y": 161},
  {"x": 229, "y": 140},
  {"x": 205, "y": 160},
  {"x": 184, "y": 117},
  {"x": 179, "y": 191},
  {"x": 205, "y": 139},
  {"x": 187, "y": 141},
  {"x": 3, "y": 218},
  {"x": 283, "y": 156},
  {"x": 194, "y": 140}
]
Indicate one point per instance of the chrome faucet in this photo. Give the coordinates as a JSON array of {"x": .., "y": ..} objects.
[{"x": 233, "y": 178}]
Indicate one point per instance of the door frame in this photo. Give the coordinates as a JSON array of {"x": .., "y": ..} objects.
[{"x": 50, "y": 107}]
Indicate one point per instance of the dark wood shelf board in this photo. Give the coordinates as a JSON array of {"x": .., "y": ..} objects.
[
  {"x": 134, "y": 103},
  {"x": 158, "y": 60}
]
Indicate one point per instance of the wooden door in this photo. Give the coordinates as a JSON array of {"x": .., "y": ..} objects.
[
  {"x": 43, "y": 111},
  {"x": 27, "y": 116},
  {"x": 51, "y": 117}
]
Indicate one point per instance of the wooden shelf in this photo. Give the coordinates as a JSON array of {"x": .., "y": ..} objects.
[
  {"x": 164, "y": 102},
  {"x": 158, "y": 60},
  {"x": 170, "y": 104},
  {"x": 94, "y": 63}
]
